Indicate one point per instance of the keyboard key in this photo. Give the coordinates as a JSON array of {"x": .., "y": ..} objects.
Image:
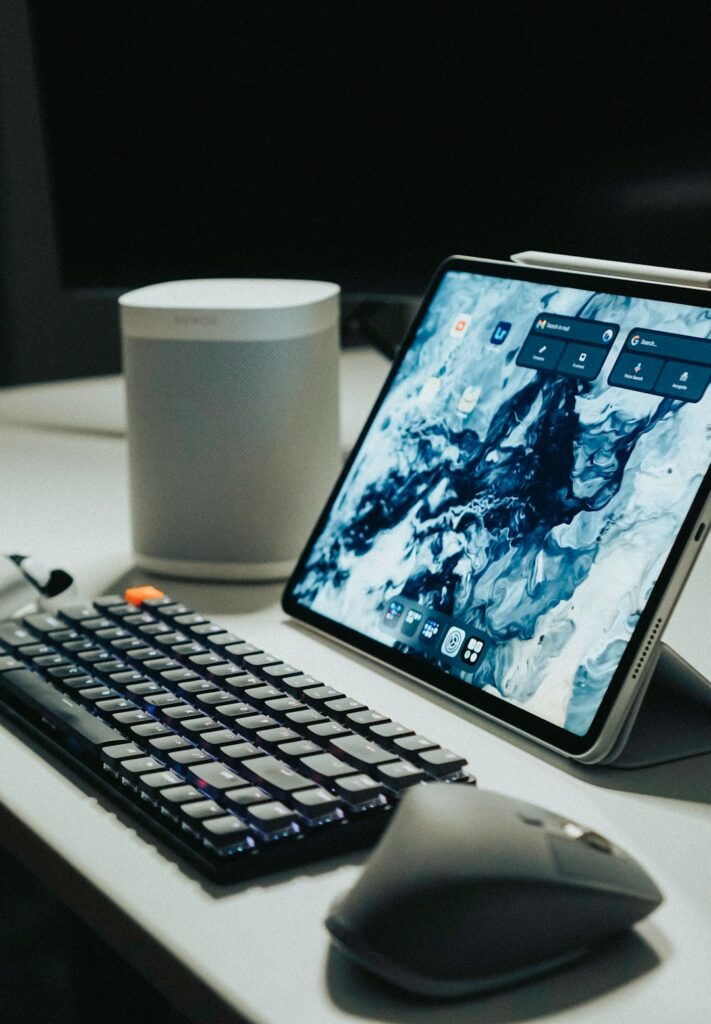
[
  {"x": 272, "y": 819},
  {"x": 215, "y": 638},
  {"x": 114, "y": 704},
  {"x": 147, "y": 728},
  {"x": 144, "y": 689},
  {"x": 247, "y": 795},
  {"x": 169, "y": 741},
  {"x": 200, "y": 810},
  {"x": 92, "y": 694},
  {"x": 272, "y": 737},
  {"x": 206, "y": 658},
  {"x": 306, "y": 717},
  {"x": 227, "y": 834},
  {"x": 7, "y": 662},
  {"x": 43, "y": 622},
  {"x": 284, "y": 704},
  {"x": 142, "y": 654},
  {"x": 281, "y": 669},
  {"x": 316, "y": 804},
  {"x": 154, "y": 629},
  {"x": 220, "y": 670},
  {"x": 162, "y": 699},
  {"x": 242, "y": 649},
  {"x": 188, "y": 619},
  {"x": 14, "y": 636},
  {"x": 234, "y": 753},
  {"x": 257, "y": 660},
  {"x": 158, "y": 780},
  {"x": 190, "y": 756},
  {"x": 400, "y": 774},
  {"x": 263, "y": 693},
  {"x": 413, "y": 744},
  {"x": 325, "y": 767},
  {"x": 49, "y": 660},
  {"x": 218, "y": 738},
  {"x": 127, "y": 643},
  {"x": 239, "y": 681},
  {"x": 327, "y": 729},
  {"x": 116, "y": 753},
  {"x": 366, "y": 717},
  {"x": 322, "y": 693},
  {"x": 212, "y": 697},
  {"x": 359, "y": 751},
  {"x": 359, "y": 790},
  {"x": 250, "y": 723},
  {"x": 160, "y": 665},
  {"x": 277, "y": 775},
  {"x": 233, "y": 711},
  {"x": 441, "y": 762},
  {"x": 124, "y": 678},
  {"x": 170, "y": 639},
  {"x": 389, "y": 730},
  {"x": 194, "y": 726},
  {"x": 195, "y": 686},
  {"x": 186, "y": 650},
  {"x": 214, "y": 777},
  {"x": 300, "y": 748},
  {"x": 341, "y": 707},
  {"x": 140, "y": 765},
  {"x": 172, "y": 611},
  {"x": 133, "y": 718},
  {"x": 207, "y": 629},
  {"x": 114, "y": 633},
  {"x": 180, "y": 795},
  {"x": 300, "y": 683},
  {"x": 178, "y": 713}
]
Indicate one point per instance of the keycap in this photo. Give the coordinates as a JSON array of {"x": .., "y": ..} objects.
[
  {"x": 186, "y": 650},
  {"x": 218, "y": 738},
  {"x": 272, "y": 818},
  {"x": 413, "y": 744},
  {"x": 157, "y": 629},
  {"x": 357, "y": 790},
  {"x": 214, "y": 637},
  {"x": 212, "y": 697},
  {"x": 98, "y": 693},
  {"x": 43, "y": 622},
  {"x": 214, "y": 777},
  {"x": 71, "y": 722},
  {"x": 359, "y": 751},
  {"x": 206, "y": 629},
  {"x": 7, "y": 662},
  {"x": 276, "y": 774},
  {"x": 178, "y": 713},
  {"x": 327, "y": 728},
  {"x": 234, "y": 753},
  {"x": 194, "y": 686},
  {"x": 343, "y": 705},
  {"x": 170, "y": 741},
  {"x": 441, "y": 762},
  {"x": 180, "y": 795},
  {"x": 133, "y": 718},
  {"x": 75, "y": 646},
  {"x": 114, "y": 704},
  {"x": 250, "y": 723},
  {"x": 272, "y": 737},
  {"x": 316, "y": 804},
  {"x": 127, "y": 643},
  {"x": 98, "y": 622},
  {"x": 15, "y": 636},
  {"x": 50, "y": 660},
  {"x": 194, "y": 726},
  {"x": 257, "y": 660},
  {"x": 325, "y": 767},
  {"x": 161, "y": 700},
  {"x": 147, "y": 728},
  {"x": 158, "y": 780},
  {"x": 300, "y": 748},
  {"x": 124, "y": 678},
  {"x": 242, "y": 649},
  {"x": 144, "y": 689},
  {"x": 199, "y": 810},
  {"x": 322, "y": 693},
  {"x": 281, "y": 669},
  {"x": 116, "y": 753},
  {"x": 400, "y": 774},
  {"x": 366, "y": 717},
  {"x": 227, "y": 834},
  {"x": 263, "y": 693},
  {"x": 76, "y": 613},
  {"x": 171, "y": 611},
  {"x": 207, "y": 658},
  {"x": 140, "y": 765},
  {"x": 306, "y": 717},
  {"x": 284, "y": 704},
  {"x": 142, "y": 654},
  {"x": 189, "y": 756},
  {"x": 37, "y": 650},
  {"x": 246, "y": 795},
  {"x": 187, "y": 619},
  {"x": 233, "y": 711},
  {"x": 220, "y": 670},
  {"x": 389, "y": 730},
  {"x": 160, "y": 664}
]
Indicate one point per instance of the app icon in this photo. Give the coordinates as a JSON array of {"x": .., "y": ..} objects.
[
  {"x": 608, "y": 335},
  {"x": 684, "y": 376},
  {"x": 542, "y": 349},
  {"x": 411, "y": 621},
  {"x": 429, "y": 389},
  {"x": 634, "y": 341},
  {"x": 453, "y": 640},
  {"x": 470, "y": 396},
  {"x": 393, "y": 612},
  {"x": 430, "y": 630},
  {"x": 582, "y": 357},
  {"x": 500, "y": 332},
  {"x": 637, "y": 368},
  {"x": 541, "y": 324},
  {"x": 460, "y": 326},
  {"x": 473, "y": 649}
]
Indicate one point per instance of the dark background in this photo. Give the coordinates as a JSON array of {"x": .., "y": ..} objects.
[{"x": 363, "y": 142}]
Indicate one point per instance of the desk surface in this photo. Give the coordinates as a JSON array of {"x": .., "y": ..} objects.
[{"x": 261, "y": 951}]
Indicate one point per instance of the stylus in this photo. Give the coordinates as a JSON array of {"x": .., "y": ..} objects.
[{"x": 636, "y": 271}]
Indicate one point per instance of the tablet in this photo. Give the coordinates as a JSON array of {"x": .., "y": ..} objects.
[{"x": 526, "y": 499}]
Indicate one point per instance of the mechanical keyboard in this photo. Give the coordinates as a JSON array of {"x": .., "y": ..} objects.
[{"x": 240, "y": 762}]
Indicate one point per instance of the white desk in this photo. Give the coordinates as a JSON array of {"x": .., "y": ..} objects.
[{"x": 261, "y": 950}]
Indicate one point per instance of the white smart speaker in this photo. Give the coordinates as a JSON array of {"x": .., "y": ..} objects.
[{"x": 233, "y": 428}]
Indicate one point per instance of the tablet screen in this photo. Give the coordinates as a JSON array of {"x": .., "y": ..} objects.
[{"x": 512, "y": 504}]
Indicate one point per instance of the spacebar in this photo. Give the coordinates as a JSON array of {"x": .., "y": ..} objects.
[{"x": 70, "y": 724}]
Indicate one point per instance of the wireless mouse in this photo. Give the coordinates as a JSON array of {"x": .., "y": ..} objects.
[{"x": 469, "y": 891}]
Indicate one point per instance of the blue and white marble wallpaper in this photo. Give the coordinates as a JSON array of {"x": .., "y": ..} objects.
[{"x": 541, "y": 518}]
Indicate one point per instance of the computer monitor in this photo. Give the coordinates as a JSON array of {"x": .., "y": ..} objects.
[{"x": 360, "y": 143}]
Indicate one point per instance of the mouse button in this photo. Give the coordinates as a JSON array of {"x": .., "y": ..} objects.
[{"x": 579, "y": 860}]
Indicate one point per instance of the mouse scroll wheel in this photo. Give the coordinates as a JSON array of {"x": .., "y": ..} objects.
[{"x": 587, "y": 836}]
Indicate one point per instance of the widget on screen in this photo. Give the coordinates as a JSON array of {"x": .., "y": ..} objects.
[
  {"x": 411, "y": 621},
  {"x": 453, "y": 640},
  {"x": 393, "y": 612},
  {"x": 473, "y": 650},
  {"x": 430, "y": 630}
]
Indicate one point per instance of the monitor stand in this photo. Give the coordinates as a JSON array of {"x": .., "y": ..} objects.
[{"x": 672, "y": 718}]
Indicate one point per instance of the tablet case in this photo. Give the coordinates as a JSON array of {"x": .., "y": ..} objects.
[{"x": 672, "y": 717}]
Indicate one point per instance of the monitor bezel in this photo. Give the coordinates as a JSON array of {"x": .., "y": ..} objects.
[{"x": 424, "y": 671}]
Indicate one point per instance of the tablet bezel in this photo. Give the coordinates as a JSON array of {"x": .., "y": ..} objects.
[{"x": 424, "y": 671}]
